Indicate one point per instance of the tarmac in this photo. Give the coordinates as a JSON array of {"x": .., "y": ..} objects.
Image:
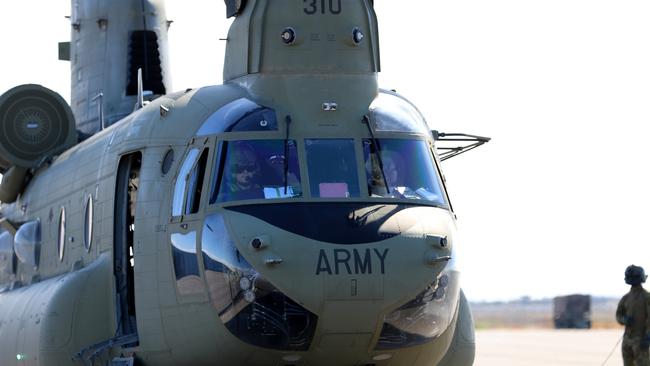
[{"x": 548, "y": 347}]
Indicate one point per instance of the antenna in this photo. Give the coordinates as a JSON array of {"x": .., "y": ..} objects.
[
  {"x": 140, "y": 101},
  {"x": 100, "y": 105}
]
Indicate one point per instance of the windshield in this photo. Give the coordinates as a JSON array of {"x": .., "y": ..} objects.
[
  {"x": 332, "y": 168},
  {"x": 408, "y": 170},
  {"x": 257, "y": 169}
]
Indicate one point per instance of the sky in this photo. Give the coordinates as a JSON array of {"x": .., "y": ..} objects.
[{"x": 557, "y": 203}]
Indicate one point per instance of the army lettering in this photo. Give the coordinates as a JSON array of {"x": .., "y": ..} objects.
[
  {"x": 311, "y": 6},
  {"x": 344, "y": 261}
]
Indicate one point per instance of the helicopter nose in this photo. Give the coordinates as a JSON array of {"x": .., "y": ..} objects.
[{"x": 353, "y": 288}]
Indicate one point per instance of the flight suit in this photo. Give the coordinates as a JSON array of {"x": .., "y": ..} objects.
[{"x": 634, "y": 312}]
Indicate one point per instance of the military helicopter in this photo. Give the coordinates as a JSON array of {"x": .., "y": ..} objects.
[{"x": 295, "y": 215}]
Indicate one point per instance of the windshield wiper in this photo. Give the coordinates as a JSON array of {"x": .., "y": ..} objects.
[
  {"x": 375, "y": 142},
  {"x": 286, "y": 155}
]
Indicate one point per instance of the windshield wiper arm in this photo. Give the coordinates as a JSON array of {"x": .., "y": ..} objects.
[{"x": 375, "y": 142}]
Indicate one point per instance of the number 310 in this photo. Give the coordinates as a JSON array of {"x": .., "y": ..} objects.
[{"x": 311, "y": 6}]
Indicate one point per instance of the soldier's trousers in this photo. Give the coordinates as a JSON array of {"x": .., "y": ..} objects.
[{"x": 633, "y": 354}]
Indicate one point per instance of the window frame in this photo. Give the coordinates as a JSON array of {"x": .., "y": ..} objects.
[
  {"x": 185, "y": 224},
  {"x": 205, "y": 145}
]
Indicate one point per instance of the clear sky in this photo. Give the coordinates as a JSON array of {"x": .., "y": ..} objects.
[{"x": 557, "y": 202}]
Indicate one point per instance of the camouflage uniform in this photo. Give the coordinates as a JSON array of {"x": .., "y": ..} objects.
[{"x": 635, "y": 305}]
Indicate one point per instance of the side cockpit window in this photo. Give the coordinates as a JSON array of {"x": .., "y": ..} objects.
[
  {"x": 186, "y": 267},
  {"x": 257, "y": 169},
  {"x": 181, "y": 182},
  {"x": 195, "y": 184},
  {"x": 189, "y": 183},
  {"x": 332, "y": 168},
  {"x": 402, "y": 169}
]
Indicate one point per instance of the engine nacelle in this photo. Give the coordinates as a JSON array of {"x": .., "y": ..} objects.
[
  {"x": 35, "y": 124},
  {"x": 47, "y": 323}
]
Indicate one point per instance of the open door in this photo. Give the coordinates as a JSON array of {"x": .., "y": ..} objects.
[{"x": 126, "y": 191}]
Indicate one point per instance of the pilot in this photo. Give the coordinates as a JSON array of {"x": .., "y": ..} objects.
[
  {"x": 277, "y": 164},
  {"x": 634, "y": 312},
  {"x": 376, "y": 183},
  {"x": 243, "y": 174}
]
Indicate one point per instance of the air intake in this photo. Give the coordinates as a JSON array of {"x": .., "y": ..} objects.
[{"x": 144, "y": 54}]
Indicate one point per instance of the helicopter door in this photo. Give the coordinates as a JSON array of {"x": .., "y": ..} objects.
[
  {"x": 126, "y": 191},
  {"x": 190, "y": 183}
]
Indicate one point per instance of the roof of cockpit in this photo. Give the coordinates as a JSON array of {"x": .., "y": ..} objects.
[{"x": 185, "y": 114}]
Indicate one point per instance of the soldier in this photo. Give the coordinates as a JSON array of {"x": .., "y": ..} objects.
[
  {"x": 391, "y": 163},
  {"x": 242, "y": 179},
  {"x": 634, "y": 312}
]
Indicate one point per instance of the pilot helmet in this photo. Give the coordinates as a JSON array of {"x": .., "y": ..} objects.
[{"x": 635, "y": 275}]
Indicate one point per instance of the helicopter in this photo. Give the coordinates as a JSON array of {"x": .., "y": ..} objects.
[{"x": 295, "y": 215}]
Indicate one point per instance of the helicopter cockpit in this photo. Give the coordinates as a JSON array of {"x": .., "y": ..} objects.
[{"x": 396, "y": 160}]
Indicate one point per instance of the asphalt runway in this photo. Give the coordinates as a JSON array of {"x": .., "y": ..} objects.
[{"x": 547, "y": 347}]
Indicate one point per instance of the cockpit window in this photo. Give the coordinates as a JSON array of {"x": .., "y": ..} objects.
[
  {"x": 181, "y": 182},
  {"x": 257, "y": 169},
  {"x": 408, "y": 171},
  {"x": 239, "y": 115},
  {"x": 195, "y": 184},
  {"x": 332, "y": 168},
  {"x": 391, "y": 113}
]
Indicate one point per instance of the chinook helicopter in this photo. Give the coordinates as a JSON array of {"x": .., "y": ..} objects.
[{"x": 295, "y": 215}]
